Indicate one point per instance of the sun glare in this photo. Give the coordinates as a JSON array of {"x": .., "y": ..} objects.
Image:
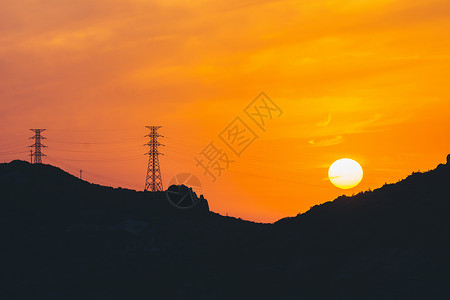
[{"x": 345, "y": 173}]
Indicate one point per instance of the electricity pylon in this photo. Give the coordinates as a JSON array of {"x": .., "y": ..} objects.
[
  {"x": 153, "y": 180},
  {"x": 37, "y": 155}
]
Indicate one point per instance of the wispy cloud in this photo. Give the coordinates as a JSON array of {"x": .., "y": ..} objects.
[
  {"x": 325, "y": 142},
  {"x": 324, "y": 122}
]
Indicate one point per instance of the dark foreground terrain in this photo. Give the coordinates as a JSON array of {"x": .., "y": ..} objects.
[{"x": 63, "y": 238}]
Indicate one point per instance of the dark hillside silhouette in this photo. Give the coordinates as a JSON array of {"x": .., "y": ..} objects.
[{"x": 63, "y": 238}]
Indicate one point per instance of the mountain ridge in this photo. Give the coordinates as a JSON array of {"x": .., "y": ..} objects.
[{"x": 390, "y": 243}]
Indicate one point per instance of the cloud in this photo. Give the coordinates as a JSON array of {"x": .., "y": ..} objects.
[
  {"x": 326, "y": 142},
  {"x": 324, "y": 122}
]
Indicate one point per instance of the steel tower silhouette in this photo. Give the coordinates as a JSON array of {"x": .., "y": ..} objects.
[
  {"x": 153, "y": 180},
  {"x": 37, "y": 155}
]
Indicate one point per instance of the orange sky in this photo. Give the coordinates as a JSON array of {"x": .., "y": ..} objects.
[{"x": 366, "y": 80}]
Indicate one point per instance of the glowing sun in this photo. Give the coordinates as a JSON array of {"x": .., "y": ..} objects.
[{"x": 345, "y": 173}]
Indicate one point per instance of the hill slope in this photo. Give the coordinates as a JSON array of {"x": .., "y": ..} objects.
[{"x": 63, "y": 238}]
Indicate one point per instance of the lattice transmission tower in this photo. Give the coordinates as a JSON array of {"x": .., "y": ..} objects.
[
  {"x": 36, "y": 157},
  {"x": 153, "y": 180}
]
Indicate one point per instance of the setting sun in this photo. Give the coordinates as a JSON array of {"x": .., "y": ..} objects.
[{"x": 345, "y": 173}]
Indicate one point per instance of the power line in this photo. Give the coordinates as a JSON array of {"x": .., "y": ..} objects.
[
  {"x": 114, "y": 159},
  {"x": 255, "y": 175},
  {"x": 13, "y": 145},
  {"x": 97, "y": 142},
  {"x": 283, "y": 180},
  {"x": 178, "y": 151},
  {"x": 97, "y": 177},
  {"x": 10, "y": 153},
  {"x": 102, "y": 151}
]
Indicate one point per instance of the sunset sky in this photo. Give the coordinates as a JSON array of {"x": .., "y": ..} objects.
[{"x": 360, "y": 79}]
